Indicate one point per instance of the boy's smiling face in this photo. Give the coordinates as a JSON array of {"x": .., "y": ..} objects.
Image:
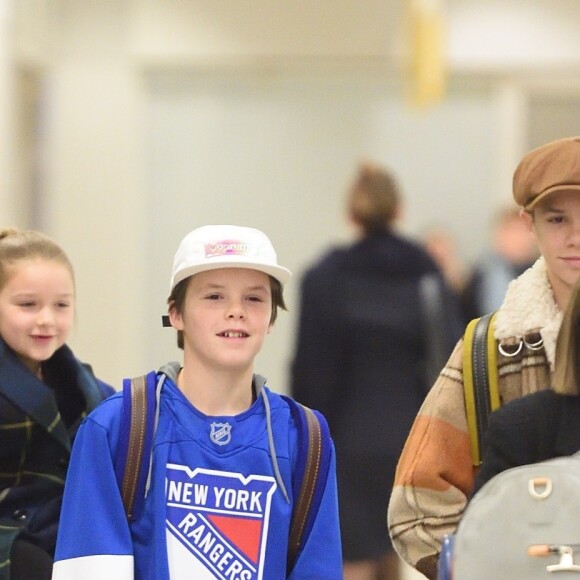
[
  {"x": 225, "y": 318},
  {"x": 555, "y": 224}
]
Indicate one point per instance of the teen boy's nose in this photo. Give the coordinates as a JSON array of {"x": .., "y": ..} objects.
[{"x": 235, "y": 310}]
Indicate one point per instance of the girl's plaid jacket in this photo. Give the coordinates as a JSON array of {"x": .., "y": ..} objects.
[{"x": 38, "y": 421}]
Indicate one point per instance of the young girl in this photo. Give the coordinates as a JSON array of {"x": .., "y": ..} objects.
[
  {"x": 220, "y": 500},
  {"x": 44, "y": 393}
]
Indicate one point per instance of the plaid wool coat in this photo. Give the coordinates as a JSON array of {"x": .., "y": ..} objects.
[{"x": 38, "y": 421}]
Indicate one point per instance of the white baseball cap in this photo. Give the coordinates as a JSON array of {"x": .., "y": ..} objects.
[{"x": 214, "y": 247}]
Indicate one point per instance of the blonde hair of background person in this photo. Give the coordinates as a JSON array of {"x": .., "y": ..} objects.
[
  {"x": 44, "y": 394},
  {"x": 435, "y": 474},
  {"x": 360, "y": 357},
  {"x": 374, "y": 201}
]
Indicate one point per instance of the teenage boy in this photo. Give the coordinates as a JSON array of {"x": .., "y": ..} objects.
[
  {"x": 220, "y": 499},
  {"x": 436, "y": 472}
]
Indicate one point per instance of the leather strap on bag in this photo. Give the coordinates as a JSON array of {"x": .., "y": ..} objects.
[
  {"x": 311, "y": 467},
  {"x": 311, "y": 473},
  {"x": 135, "y": 440},
  {"x": 136, "y": 444},
  {"x": 480, "y": 380}
]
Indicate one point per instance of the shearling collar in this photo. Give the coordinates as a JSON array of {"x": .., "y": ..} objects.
[{"x": 529, "y": 306}]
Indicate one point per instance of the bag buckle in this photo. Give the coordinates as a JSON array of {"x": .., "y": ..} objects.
[{"x": 566, "y": 553}]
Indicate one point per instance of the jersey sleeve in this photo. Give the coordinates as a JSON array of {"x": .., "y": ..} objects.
[
  {"x": 94, "y": 540},
  {"x": 321, "y": 556},
  {"x": 435, "y": 473}
]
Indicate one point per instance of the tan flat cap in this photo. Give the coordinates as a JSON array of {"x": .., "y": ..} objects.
[{"x": 547, "y": 169}]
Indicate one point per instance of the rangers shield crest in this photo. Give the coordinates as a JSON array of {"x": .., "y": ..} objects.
[{"x": 217, "y": 523}]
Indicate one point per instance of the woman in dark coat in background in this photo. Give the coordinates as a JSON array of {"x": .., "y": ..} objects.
[{"x": 375, "y": 318}]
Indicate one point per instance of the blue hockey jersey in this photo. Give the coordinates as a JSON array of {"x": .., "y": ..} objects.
[{"x": 218, "y": 506}]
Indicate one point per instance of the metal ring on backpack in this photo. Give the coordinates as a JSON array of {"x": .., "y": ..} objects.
[
  {"x": 540, "y": 487},
  {"x": 538, "y": 345},
  {"x": 502, "y": 350}
]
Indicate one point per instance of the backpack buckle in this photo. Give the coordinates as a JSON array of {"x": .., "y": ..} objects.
[{"x": 566, "y": 553}]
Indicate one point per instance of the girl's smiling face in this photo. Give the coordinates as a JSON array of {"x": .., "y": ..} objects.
[
  {"x": 36, "y": 309},
  {"x": 225, "y": 318}
]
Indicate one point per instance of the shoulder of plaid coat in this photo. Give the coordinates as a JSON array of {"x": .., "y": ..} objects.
[{"x": 435, "y": 473}]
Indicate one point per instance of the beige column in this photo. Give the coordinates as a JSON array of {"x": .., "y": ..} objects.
[
  {"x": 94, "y": 199},
  {"x": 511, "y": 103},
  {"x": 11, "y": 206}
]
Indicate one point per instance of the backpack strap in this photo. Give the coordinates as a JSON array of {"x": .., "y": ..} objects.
[
  {"x": 135, "y": 440},
  {"x": 435, "y": 327},
  {"x": 309, "y": 476},
  {"x": 480, "y": 380}
]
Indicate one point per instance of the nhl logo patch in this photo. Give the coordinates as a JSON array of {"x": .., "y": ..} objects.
[
  {"x": 217, "y": 523},
  {"x": 220, "y": 433}
]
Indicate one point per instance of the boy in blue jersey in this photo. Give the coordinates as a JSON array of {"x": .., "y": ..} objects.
[{"x": 220, "y": 498}]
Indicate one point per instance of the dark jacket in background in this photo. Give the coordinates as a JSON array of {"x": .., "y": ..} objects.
[
  {"x": 38, "y": 421},
  {"x": 361, "y": 359}
]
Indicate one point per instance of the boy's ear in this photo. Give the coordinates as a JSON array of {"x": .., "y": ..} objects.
[
  {"x": 175, "y": 319},
  {"x": 528, "y": 218}
]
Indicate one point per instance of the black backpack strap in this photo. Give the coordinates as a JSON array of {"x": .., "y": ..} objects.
[
  {"x": 309, "y": 476},
  {"x": 136, "y": 440},
  {"x": 480, "y": 380},
  {"x": 436, "y": 327}
]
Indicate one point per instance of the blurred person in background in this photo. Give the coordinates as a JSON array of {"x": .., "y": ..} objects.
[
  {"x": 442, "y": 247},
  {"x": 512, "y": 251},
  {"x": 374, "y": 317}
]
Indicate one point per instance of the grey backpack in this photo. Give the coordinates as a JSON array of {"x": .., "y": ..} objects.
[{"x": 523, "y": 524}]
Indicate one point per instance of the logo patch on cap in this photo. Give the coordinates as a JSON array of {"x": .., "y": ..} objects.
[{"x": 226, "y": 248}]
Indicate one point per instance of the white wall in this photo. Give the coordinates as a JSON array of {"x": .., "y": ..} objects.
[
  {"x": 512, "y": 36},
  {"x": 11, "y": 198}
]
